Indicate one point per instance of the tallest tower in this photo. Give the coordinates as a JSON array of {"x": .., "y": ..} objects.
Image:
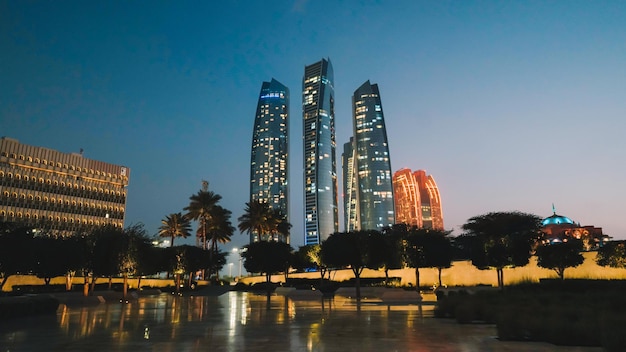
[{"x": 321, "y": 217}]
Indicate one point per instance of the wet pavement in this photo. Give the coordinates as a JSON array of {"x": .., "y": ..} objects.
[{"x": 239, "y": 321}]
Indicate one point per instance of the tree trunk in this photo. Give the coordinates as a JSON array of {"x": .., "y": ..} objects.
[
  {"x": 93, "y": 282},
  {"x": 177, "y": 282},
  {"x": 357, "y": 283},
  {"x": 85, "y": 285},
  {"x": 386, "y": 277},
  {"x": 417, "y": 279},
  {"x": 4, "y": 281},
  {"x": 125, "y": 288},
  {"x": 439, "y": 269},
  {"x": 110, "y": 282},
  {"x": 139, "y": 282},
  {"x": 68, "y": 282},
  {"x": 46, "y": 281}
]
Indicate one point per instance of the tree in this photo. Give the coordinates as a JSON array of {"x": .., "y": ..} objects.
[
  {"x": 16, "y": 255},
  {"x": 220, "y": 230},
  {"x": 427, "y": 248},
  {"x": 57, "y": 257},
  {"x": 200, "y": 209},
  {"x": 175, "y": 225},
  {"x": 612, "y": 254},
  {"x": 310, "y": 257},
  {"x": 280, "y": 227},
  {"x": 393, "y": 248},
  {"x": 559, "y": 256},
  {"x": 502, "y": 240},
  {"x": 257, "y": 220},
  {"x": 267, "y": 258},
  {"x": 353, "y": 249},
  {"x": 441, "y": 253}
]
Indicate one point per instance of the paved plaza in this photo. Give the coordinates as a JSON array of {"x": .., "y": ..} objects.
[{"x": 239, "y": 321}]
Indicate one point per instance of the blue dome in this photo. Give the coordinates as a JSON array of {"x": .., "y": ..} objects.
[{"x": 557, "y": 220}]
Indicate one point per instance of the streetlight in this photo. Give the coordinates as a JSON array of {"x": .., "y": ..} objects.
[{"x": 236, "y": 250}]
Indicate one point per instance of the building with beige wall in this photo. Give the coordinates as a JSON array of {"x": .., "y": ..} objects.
[{"x": 63, "y": 193}]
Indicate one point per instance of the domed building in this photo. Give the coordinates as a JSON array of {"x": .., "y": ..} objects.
[{"x": 559, "y": 228}]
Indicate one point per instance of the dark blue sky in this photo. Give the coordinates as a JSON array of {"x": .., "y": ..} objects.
[{"x": 511, "y": 105}]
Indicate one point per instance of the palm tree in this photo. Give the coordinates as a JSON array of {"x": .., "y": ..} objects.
[
  {"x": 256, "y": 220},
  {"x": 175, "y": 225},
  {"x": 220, "y": 229},
  {"x": 200, "y": 209},
  {"x": 280, "y": 226}
]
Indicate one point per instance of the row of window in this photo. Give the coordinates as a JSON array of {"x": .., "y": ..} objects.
[
  {"x": 17, "y": 216},
  {"x": 75, "y": 191},
  {"x": 56, "y": 183},
  {"x": 58, "y": 164},
  {"x": 62, "y": 208},
  {"x": 60, "y": 201}
]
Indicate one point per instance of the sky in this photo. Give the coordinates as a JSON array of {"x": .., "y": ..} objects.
[{"x": 510, "y": 105}]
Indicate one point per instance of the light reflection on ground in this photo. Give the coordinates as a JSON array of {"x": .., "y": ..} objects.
[{"x": 239, "y": 321}]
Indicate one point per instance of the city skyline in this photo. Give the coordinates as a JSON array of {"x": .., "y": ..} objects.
[
  {"x": 500, "y": 101},
  {"x": 367, "y": 174}
]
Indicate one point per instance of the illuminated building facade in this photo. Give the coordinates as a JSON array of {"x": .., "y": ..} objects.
[
  {"x": 418, "y": 202},
  {"x": 559, "y": 228},
  {"x": 407, "y": 198},
  {"x": 63, "y": 193},
  {"x": 349, "y": 189},
  {"x": 321, "y": 217},
  {"x": 270, "y": 150},
  {"x": 367, "y": 172}
]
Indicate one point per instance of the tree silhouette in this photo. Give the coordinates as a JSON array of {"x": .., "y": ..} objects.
[
  {"x": 267, "y": 258},
  {"x": 559, "y": 256},
  {"x": 175, "y": 225},
  {"x": 502, "y": 240},
  {"x": 353, "y": 249}
]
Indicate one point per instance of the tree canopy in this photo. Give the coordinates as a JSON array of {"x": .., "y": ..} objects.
[
  {"x": 502, "y": 239},
  {"x": 267, "y": 257},
  {"x": 559, "y": 256}
]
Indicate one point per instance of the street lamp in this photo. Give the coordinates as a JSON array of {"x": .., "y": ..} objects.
[{"x": 236, "y": 250}]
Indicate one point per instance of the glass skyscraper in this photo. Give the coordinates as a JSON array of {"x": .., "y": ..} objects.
[
  {"x": 270, "y": 148},
  {"x": 369, "y": 187},
  {"x": 321, "y": 217}
]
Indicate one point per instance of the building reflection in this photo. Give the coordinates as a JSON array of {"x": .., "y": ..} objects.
[{"x": 235, "y": 321}]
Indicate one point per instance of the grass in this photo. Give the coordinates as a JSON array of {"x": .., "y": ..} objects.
[{"x": 570, "y": 313}]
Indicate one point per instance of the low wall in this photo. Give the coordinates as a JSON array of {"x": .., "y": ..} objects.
[
  {"x": 26, "y": 280},
  {"x": 463, "y": 273}
]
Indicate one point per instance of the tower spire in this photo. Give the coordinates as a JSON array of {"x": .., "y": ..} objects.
[{"x": 553, "y": 209}]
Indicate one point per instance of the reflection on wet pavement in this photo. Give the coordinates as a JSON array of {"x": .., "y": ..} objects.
[{"x": 238, "y": 321}]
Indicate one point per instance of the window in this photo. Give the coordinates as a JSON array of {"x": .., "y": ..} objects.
[{"x": 30, "y": 158}]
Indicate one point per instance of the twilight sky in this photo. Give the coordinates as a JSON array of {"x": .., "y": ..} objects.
[{"x": 510, "y": 105}]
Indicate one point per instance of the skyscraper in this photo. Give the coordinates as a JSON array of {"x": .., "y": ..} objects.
[
  {"x": 417, "y": 194},
  {"x": 369, "y": 185},
  {"x": 321, "y": 217},
  {"x": 349, "y": 187},
  {"x": 407, "y": 198},
  {"x": 269, "y": 179}
]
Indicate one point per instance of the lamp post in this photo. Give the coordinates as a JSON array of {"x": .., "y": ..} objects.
[{"x": 236, "y": 250}]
